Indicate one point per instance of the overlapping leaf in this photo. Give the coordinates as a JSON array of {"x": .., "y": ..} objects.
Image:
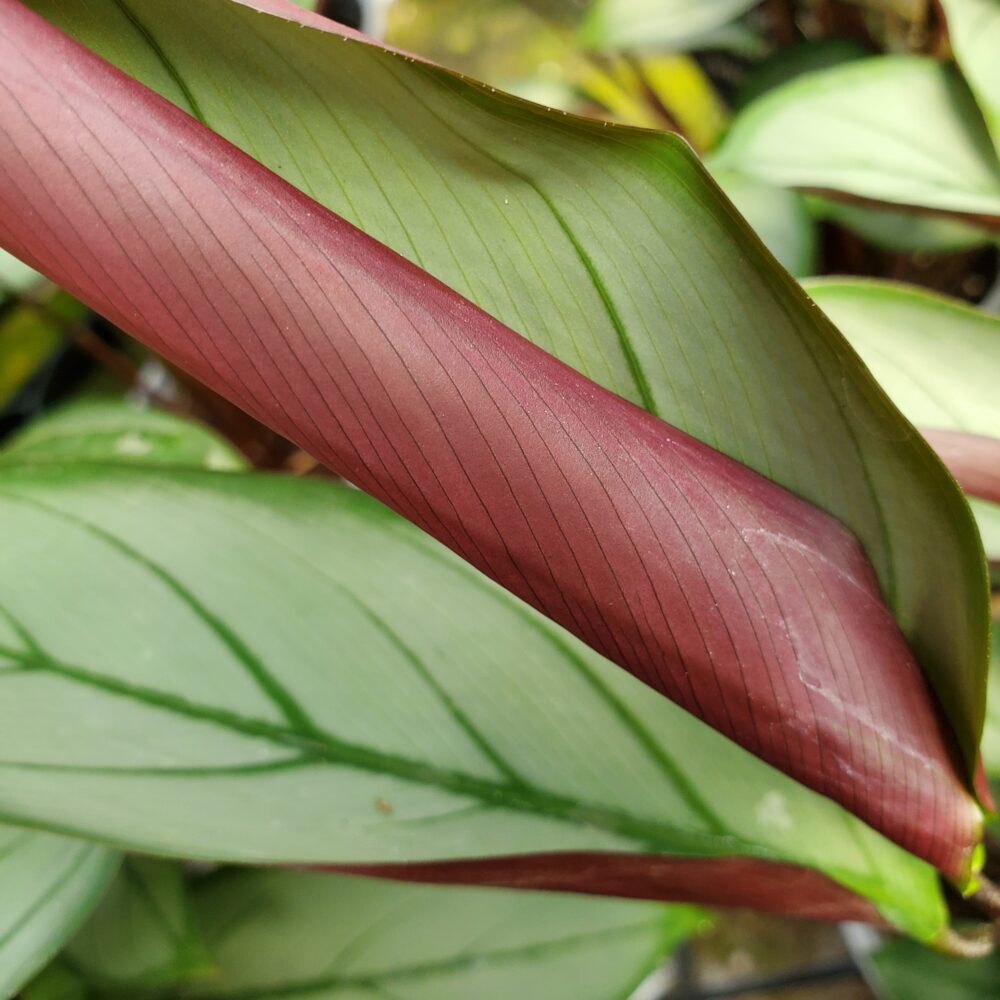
[
  {"x": 564, "y": 493},
  {"x": 48, "y": 884},
  {"x": 898, "y": 129}
]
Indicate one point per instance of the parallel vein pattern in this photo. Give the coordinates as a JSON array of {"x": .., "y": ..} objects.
[{"x": 745, "y": 605}]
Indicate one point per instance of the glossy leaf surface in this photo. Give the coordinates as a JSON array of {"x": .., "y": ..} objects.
[
  {"x": 306, "y": 678},
  {"x": 48, "y": 884},
  {"x": 827, "y": 130},
  {"x": 558, "y": 490},
  {"x": 641, "y": 324}
]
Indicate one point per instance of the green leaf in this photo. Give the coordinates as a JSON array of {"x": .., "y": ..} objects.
[
  {"x": 657, "y": 24},
  {"x": 290, "y": 934},
  {"x": 48, "y": 884},
  {"x": 103, "y": 430},
  {"x": 898, "y": 129},
  {"x": 974, "y": 30},
  {"x": 938, "y": 358},
  {"x": 778, "y": 216},
  {"x": 907, "y": 971},
  {"x": 143, "y": 933},
  {"x": 362, "y": 696},
  {"x": 636, "y": 272}
]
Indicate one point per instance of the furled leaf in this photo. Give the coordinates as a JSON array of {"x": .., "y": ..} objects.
[
  {"x": 738, "y": 600},
  {"x": 657, "y": 24},
  {"x": 293, "y": 934},
  {"x": 974, "y": 30},
  {"x": 741, "y": 602},
  {"x": 303, "y": 677},
  {"x": 48, "y": 884},
  {"x": 144, "y": 932},
  {"x": 636, "y": 273},
  {"x": 109, "y": 431},
  {"x": 778, "y": 216},
  {"x": 907, "y": 971},
  {"x": 898, "y": 129}
]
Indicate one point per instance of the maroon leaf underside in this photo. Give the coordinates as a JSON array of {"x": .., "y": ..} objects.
[
  {"x": 973, "y": 459},
  {"x": 742, "y": 603},
  {"x": 768, "y": 886}
]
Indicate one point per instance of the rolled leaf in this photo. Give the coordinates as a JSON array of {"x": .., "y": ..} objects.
[
  {"x": 745, "y": 605},
  {"x": 637, "y": 273}
]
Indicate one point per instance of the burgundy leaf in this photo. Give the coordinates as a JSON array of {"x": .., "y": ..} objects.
[
  {"x": 974, "y": 460},
  {"x": 747, "y": 606}
]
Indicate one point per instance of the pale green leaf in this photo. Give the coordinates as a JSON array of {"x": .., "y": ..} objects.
[
  {"x": 106, "y": 430},
  {"x": 262, "y": 669},
  {"x": 610, "y": 247},
  {"x": 143, "y": 933},
  {"x": 293, "y": 934},
  {"x": 15, "y": 276},
  {"x": 974, "y": 30},
  {"x": 48, "y": 884},
  {"x": 898, "y": 129}
]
